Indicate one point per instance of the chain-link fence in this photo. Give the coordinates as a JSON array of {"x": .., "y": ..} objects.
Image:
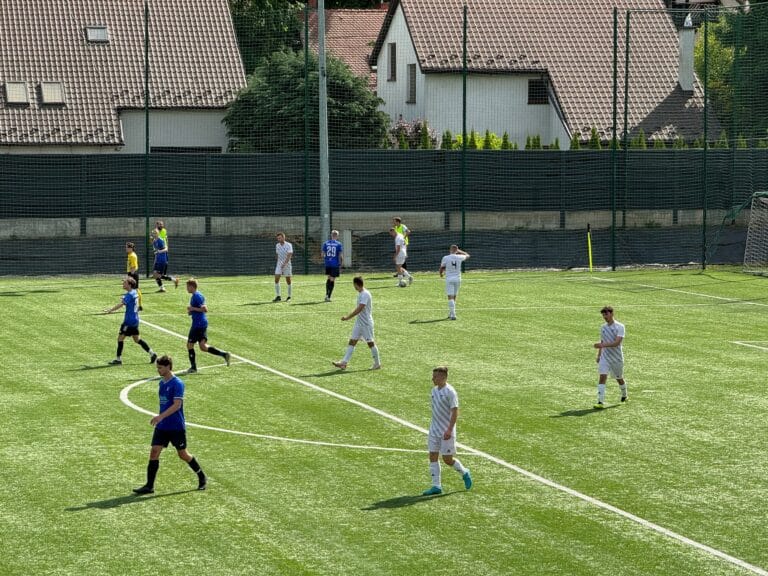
[{"x": 508, "y": 128}]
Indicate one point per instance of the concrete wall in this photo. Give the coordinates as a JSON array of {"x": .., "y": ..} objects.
[{"x": 362, "y": 223}]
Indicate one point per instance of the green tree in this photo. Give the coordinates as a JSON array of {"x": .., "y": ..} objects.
[
  {"x": 426, "y": 141},
  {"x": 447, "y": 142},
  {"x": 268, "y": 115},
  {"x": 472, "y": 142},
  {"x": 679, "y": 143},
  {"x": 639, "y": 142},
  {"x": 505, "y": 142},
  {"x": 594, "y": 140},
  {"x": 722, "y": 141},
  {"x": 266, "y": 26},
  {"x": 576, "y": 141},
  {"x": 402, "y": 141},
  {"x": 658, "y": 144},
  {"x": 555, "y": 145},
  {"x": 528, "y": 143}
]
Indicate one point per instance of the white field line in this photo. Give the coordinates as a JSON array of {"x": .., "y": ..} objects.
[
  {"x": 535, "y": 477},
  {"x": 125, "y": 400},
  {"x": 749, "y": 345}
]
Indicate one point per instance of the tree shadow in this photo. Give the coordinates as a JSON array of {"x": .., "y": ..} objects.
[
  {"x": 583, "y": 411},
  {"x": 404, "y": 501},
  {"x": 123, "y": 500},
  {"x": 429, "y": 321}
]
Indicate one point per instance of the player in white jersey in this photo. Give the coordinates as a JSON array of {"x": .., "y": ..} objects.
[
  {"x": 363, "y": 328},
  {"x": 283, "y": 253},
  {"x": 451, "y": 267},
  {"x": 401, "y": 253},
  {"x": 442, "y": 431},
  {"x": 610, "y": 356}
]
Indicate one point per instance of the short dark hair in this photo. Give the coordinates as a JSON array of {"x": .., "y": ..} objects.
[
  {"x": 358, "y": 281},
  {"x": 443, "y": 369},
  {"x": 606, "y": 309},
  {"x": 130, "y": 245},
  {"x": 192, "y": 282},
  {"x": 165, "y": 360}
]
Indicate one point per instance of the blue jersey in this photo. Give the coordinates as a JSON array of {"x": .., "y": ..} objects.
[
  {"x": 160, "y": 257},
  {"x": 168, "y": 392},
  {"x": 199, "y": 319},
  {"x": 131, "y": 301},
  {"x": 332, "y": 253}
]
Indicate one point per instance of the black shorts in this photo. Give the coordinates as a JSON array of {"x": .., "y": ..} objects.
[
  {"x": 176, "y": 437},
  {"x": 161, "y": 269},
  {"x": 197, "y": 334},
  {"x": 332, "y": 271},
  {"x": 126, "y": 330},
  {"x": 135, "y": 276}
]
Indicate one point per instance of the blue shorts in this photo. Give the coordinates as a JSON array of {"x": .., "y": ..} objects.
[
  {"x": 332, "y": 271},
  {"x": 176, "y": 437},
  {"x": 161, "y": 268},
  {"x": 197, "y": 334}
]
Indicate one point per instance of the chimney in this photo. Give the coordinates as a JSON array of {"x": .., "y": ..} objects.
[
  {"x": 383, "y": 5},
  {"x": 687, "y": 37}
]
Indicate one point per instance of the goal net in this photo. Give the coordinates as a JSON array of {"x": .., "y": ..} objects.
[{"x": 756, "y": 250}]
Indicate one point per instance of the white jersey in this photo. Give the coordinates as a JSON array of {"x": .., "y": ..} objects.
[
  {"x": 282, "y": 251},
  {"x": 609, "y": 333},
  {"x": 365, "y": 318},
  {"x": 444, "y": 400},
  {"x": 452, "y": 265},
  {"x": 400, "y": 241}
]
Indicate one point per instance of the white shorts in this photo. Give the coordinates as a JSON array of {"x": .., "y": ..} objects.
[
  {"x": 436, "y": 443},
  {"x": 362, "y": 332},
  {"x": 400, "y": 258},
  {"x": 452, "y": 286},
  {"x": 614, "y": 369},
  {"x": 286, "y": 270}
]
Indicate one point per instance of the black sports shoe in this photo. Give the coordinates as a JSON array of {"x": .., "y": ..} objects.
[
  {"x": 152, "y": 358},
  {"x": 276, "y": 299},
  {"x": 115, "y": 362},
  {"x": 144, "y": 490},
  {"x": 203, "y": 484},
  {"x": 624, "y": 398},
  {"x": 287, "y": 298}
]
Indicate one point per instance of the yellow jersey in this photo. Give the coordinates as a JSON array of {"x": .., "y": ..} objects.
[{"x": 132, "y": 263}]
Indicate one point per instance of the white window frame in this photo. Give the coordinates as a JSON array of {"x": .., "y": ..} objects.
[
  {"x": 97, "y": 34},
  {"x": 16, "y": 93},
  {"x": 52, "y": 93}
]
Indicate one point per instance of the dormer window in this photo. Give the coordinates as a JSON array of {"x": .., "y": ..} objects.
[
  {"x": 537, "y": 92},
  {"x": 16, "y": 93},
  {"x": 52, "y": 93},
  {"x": 97, "y": 34}
]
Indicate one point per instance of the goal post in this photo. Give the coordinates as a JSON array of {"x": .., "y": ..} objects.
[{"x": 756, "y": 248}]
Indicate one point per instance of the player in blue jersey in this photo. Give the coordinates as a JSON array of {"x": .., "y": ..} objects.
[
  {"x": 130, "y": 325},
  {"x": 333, "y": 256},
  {"x": 160, "y": 268},
  {"x": 198, "y": 332},
  {"x": 170, "y": 427}
]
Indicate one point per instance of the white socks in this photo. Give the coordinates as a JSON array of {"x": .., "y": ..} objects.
[
  {"x": 452, "y": 307},
  {"x": 434, "y": 471},
  {"x": 348, "y": 354},
  {"x": 601, "y": 393},
  {"x": 375, "y": 354},
  {"x": 277, "y": 288}
]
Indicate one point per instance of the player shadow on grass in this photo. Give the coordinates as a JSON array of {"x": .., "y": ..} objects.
[
  {"x": 403, "y": 501},
  {"x": 16, "y": 293},
  {"x": 583, "y": 411},
  {"x": 445, "y": 319},
  {"x": 264, "y": 303},
  {"x": 335, "y": 372},
  {"x": 123, "y": 500},
  {"x": 313, "y": 303}
]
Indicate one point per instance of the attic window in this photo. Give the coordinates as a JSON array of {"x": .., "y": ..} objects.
[
  {"x": 97, "y": 34},
  {"x": 16, "y": 93},
  {"x": 52, "y": 92},
  {"x": 537, "y": 92}
]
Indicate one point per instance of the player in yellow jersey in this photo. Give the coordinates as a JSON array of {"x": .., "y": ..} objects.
[{"x": 132, "y": 267}]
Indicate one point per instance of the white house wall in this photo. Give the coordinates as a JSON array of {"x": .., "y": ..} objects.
[
  {"x": 174, "y": 128},
  {"x": 498, "y": 103}
]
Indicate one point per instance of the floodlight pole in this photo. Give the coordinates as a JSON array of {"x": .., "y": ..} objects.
[
  {"x": 146, "y": 137},
  {"x": 325, "y": 203}
]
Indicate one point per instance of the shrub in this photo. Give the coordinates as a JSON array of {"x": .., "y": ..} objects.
[
  {"x": 594, "y": 140},
  {"x": 576, "y": 141}
]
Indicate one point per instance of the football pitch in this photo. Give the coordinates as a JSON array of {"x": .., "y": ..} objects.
[{"x": 314, "y": 470}]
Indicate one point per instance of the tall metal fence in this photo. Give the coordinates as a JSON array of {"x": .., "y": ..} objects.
[{"x": 476, "y": 162}]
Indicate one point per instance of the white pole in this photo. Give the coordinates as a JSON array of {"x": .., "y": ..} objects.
[{"x": 325, "y": 202}]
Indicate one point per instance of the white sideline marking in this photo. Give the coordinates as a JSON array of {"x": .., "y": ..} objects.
[
  {"x": 749, "y": 345},
  {"x": 542, "y": 480}
]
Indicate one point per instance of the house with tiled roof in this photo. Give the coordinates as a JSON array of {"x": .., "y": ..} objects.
[
  {"x": 538, "y": 68},
  {"x": 350, "y": 36},
  {"x": 72, "y": 75}
]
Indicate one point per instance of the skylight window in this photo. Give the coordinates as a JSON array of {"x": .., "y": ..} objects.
[
  {"x": 52, "y": 92},
  {"x": 97, "y": 34},
  {"x": 16, "y": 93}
]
